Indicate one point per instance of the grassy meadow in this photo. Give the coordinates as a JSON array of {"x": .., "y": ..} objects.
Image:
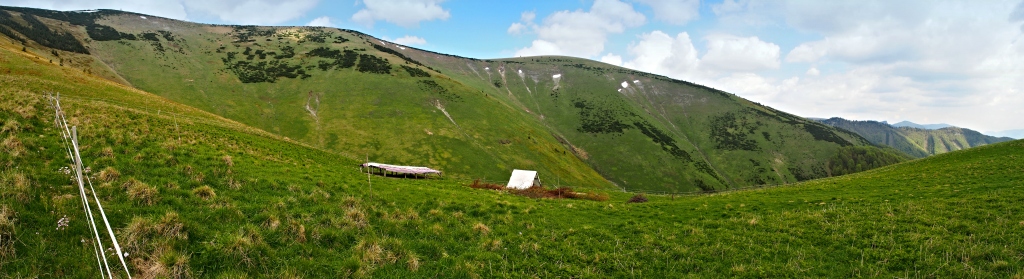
[
  {"x": 596, "y": 126},
  {"x": 194, "y": 195}
]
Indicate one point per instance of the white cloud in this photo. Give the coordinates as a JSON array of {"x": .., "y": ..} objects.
[
  {"x": 805, "y": 53},
  {"x": 540, "y": 47},
  {"x": 612, "y": 59},
  {"x": 813, "y": 72},
  {"x": 674, "y": 11},
  {"x": 957, "y": 62},
  {"x": 516, "y": 28},
  {"x": 405, "y": 13},
  {"x": 410, "y": 40},
  {"x": 578, "y": 33},
  {"x": 527, "y": 16},
  {"x": 262, "y": 12},
  {"x": 321, "y": 21},
  {"x": 740, "y": 54},
  {"x": 259, "y": 12},
  {"x": 525, "y": 23},
  {"x": 659, "y": 53}
]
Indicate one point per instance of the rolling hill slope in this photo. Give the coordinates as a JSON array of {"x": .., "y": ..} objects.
[
  {"x": 193, "y": 194},
  {"x": 916, "y": 142},
  {"x": 574, "y": 120}
]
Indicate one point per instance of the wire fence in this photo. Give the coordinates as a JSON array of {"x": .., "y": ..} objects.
[{"x": 69, "y": 135}]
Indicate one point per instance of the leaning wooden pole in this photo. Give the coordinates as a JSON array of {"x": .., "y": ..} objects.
[{"x": 368, "y": 175}]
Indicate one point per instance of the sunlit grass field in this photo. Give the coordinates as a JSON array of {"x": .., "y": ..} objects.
[{"x": 191, "y": 194}]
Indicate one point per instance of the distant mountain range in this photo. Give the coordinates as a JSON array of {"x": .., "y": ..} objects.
[
  {"x": 1017, "y": 134},
  {"x": 914, "y": 139},
  {"x": 921, "y": 126}
]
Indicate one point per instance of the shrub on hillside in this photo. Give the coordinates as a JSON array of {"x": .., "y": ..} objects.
[
  {"x": 538, "y": 192},
  {"x": 373, "y": 64},
  {"x": 638, "y": 198},
  {"x": 484, "y": 185}
]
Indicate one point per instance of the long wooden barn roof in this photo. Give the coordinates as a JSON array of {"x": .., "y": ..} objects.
[{"x": 401, "y": 169}]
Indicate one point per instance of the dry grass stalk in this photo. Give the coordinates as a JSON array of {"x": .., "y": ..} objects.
[
  {"x": 234, "y": 184},
  {"x": 412, "y": 262},
  {"x": 18, "y": 184},
  {"x": 227, "y": 160},
  {"x": 7, "y": 222},
  {"x": 272, "y": 223},
  {"x": 13, "y": 146}
]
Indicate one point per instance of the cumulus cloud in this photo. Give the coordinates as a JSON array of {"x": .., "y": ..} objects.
[
  {"x": 578, "y": 33},
  {"x": 677, "y": 57},
  {"x": 524, "y": 24},
  {"x": 659, "y": 53},
  {"x": 516, "y": 28},
  {"x": 321, "y": 21},
  {"x": 262, "y": 12},
  {"x": 612, "y": 59},
  {"x": 958, "y": 62},
  {"x": 259, "y": 12},
  {"x": 674, "y": 11},
  {"x": 740, "y": 54},
  {"x": 410, "y": 40},
  {"x": 405, "y": 13}
]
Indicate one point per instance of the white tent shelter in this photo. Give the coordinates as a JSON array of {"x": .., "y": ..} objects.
[{"x": 523, "y": 179}]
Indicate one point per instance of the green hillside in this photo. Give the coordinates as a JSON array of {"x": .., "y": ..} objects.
[
  {"x": 192, "y": 194},
  {"x": 578, "y": 122},
  {"x": 916, "y": 142}
]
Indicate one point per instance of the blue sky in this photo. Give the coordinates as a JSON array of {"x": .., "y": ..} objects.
[{"x": 956, "y": 62}]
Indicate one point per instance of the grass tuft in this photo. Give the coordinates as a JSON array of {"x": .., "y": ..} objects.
[
  {"x": 171, "y": 226},
  {"x": 15, "y": 184},
  {"x": 481, "y": 228},
  {"x": 272, "y": 223},
  {"x": 13, "y": 146},
  {"x": 107, "y": 152},
  {"x": 356, "y": 217},
  {"x": 204, "y": 192},
  {"x": 109, "y": 174},
  {"x": 11, "y": 126},
  {"x": 143, "y": 193},
  {"x": 412, "y": 262}
]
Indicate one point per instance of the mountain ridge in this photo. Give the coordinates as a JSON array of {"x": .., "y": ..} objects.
[
  {"x": 916, "y": 142},
  {"x": 580, "y": 121},
  {"x": 921, "y": 126}
]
